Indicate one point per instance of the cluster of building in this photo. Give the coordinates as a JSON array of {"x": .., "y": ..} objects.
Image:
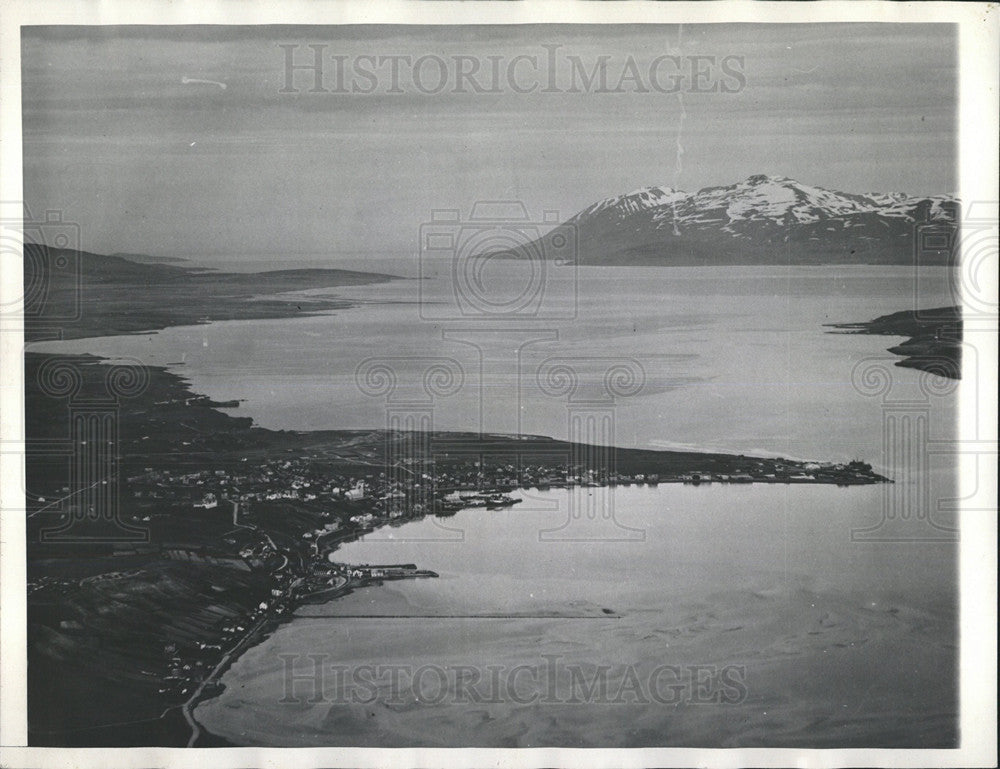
[
  {"x": 58, "y": 585},
  {"x": 271, "y": 480},
  {"x": 336, "y": 507},
  {"x": 409, "y": 489}
]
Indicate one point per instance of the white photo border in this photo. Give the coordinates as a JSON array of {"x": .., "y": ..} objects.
[{"x": 979, "y": 25}]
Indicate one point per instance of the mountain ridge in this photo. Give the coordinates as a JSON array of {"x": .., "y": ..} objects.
[{"x": 760, "y": 220}]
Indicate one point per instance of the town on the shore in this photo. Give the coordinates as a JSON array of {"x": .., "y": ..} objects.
[{"x": 219, "y": 530}]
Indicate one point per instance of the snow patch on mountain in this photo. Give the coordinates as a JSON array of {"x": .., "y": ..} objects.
[
  {"x": 759, "y": 218},
  {"x": 643, "y": 199},
  {"x": 768, "y": 200},
  {"x": 778, "y": 200}
]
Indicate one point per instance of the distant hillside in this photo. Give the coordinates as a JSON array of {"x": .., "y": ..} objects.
[
  {"x": 760, "y": 220},
  {"x": 81, "y": 294},
  {"x": 145, "y": 259}
]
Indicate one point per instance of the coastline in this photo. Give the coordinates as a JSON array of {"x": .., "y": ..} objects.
[
  {"x": 932, "y": 338},
  {"x": 176, "y": 449},
  {"x": 798, "y": 639},
  {"x": 95, "y": 295},
  {"x": 170, "y": 439}
]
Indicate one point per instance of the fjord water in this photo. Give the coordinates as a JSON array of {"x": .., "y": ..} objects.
[
  {"x": 729, "y": 359},
  {"x": 844, "y": 638},
  {"x": 835, "y": 643}
]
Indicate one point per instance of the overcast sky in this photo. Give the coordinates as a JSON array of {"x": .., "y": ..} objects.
[{"x": 116, "y": 139}]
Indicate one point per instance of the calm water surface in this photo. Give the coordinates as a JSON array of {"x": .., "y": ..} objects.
[
  {"x": 733, "y": 359},
  {"x": 835, "y": 642}
]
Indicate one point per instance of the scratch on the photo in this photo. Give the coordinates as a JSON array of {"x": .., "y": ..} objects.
[
  {"x": 679, "y": 164},
  {"x": 189, "y": 80}
]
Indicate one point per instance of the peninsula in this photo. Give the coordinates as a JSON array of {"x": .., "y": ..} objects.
[
  {"x": 199, "y": 531},
  {"x": 90, "y": 295},
  {"x": 935, "y": 338},
  {"x": 224, "y": 529}
]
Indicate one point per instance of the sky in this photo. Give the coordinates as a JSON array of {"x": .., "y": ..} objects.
[{"x": 119, "y": 139}]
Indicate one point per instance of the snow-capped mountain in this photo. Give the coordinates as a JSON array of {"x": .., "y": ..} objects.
[
  {"x": 760, "y": 220},
  {"x": 633, "y": 202}
]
